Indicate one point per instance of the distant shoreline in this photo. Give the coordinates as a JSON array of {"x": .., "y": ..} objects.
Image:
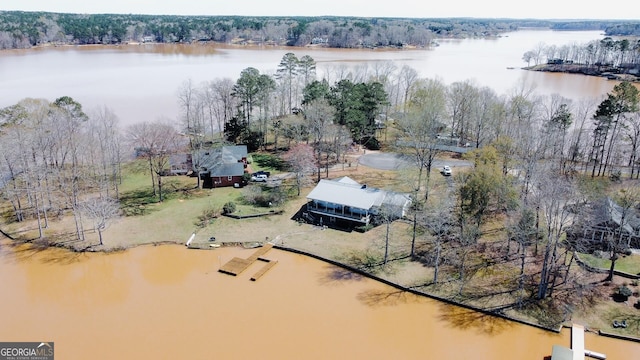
[{"x": 608, "y": 72}]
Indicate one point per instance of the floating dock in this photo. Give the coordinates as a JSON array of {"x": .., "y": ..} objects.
[
  {"x": 237, "y": 265},
  {"x": 264, "y": 269}
]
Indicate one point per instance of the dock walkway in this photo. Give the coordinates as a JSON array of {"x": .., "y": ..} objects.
[
  {"x": 577, "y": 341},
  {"x": 237, "y": 265},
  {"x": 264, "y": 269}
]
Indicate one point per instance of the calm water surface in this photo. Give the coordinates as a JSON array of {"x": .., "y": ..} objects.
[
  {"x": 140, "y": 82},
  {"x": 167, "y": 302}
]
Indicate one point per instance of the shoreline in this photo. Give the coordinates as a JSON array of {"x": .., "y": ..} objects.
[
  {"x": 408, "y": 289},
  {"x": 609, "y": 73},
  {"x": 233, "y": 44}
]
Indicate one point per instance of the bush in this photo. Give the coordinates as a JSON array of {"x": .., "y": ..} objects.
[
  {"x": 624, "y": 291},
  {"x": 207, "y": 217},
  {"x": 615, "y": 176},
  {"x": 229, "y": 208},
  {"x": 370, "y": 142},
  {"x": 364, "y": 228}
]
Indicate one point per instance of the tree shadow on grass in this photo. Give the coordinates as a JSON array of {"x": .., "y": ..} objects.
[
  {"x": 136, "y": 202},
  {"x": 267, "y": 161}
]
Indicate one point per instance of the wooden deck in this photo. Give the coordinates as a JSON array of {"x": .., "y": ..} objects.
[
  {"x": 261, "y": 251},
  {"x": 264, "y": 269},
  {"x": 237, "y": 265}
]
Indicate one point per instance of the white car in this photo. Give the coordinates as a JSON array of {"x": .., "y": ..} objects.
[
  {"x": 259, "y": 178},
  {"x": 446, "y": 170}
]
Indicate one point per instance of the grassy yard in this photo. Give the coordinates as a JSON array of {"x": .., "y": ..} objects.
[{"x": 627, "y": 263}]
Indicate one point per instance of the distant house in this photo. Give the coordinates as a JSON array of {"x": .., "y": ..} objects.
[
  {"x": 611, "y": 217},
  {"x": 180, "y": 164},
  {"x": 224, "y": 166},
  {"x": 345, "y": 203}
]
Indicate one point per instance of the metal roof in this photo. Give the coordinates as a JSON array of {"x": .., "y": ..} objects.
[
  {"x": 346, "y": 180},
  {"x": 348, "y": 193},
  {"x": 224, "y": 161},
  {"x": 234, "y": 169}
]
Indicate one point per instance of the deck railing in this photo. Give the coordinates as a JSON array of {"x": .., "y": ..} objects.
[{"x": 338, "y": 213}]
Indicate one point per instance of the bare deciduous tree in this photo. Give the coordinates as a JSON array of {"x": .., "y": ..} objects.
[
  {"x": 302, "y": 160},
  {"x": 552, "y": 193},
  {"x": 156, "y": 141},
  {"x": 102, "y": 211},
  {"x": 319, "y": 115},
  {"x": 103, "y": 131}
]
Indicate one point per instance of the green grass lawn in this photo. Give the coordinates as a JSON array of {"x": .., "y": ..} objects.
[
  {"x": 182, "y": 212},
  {"x": 629, "y": 264},
  {"x": 267, "y": 162}
]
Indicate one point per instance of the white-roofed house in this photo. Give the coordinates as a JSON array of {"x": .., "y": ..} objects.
[{"x": 345, "y": 203}]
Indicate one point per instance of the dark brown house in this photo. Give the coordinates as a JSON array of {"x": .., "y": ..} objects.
[{"x": 224, "y": 166}]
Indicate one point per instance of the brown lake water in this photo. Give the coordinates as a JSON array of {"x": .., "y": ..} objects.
[
  {"x": 141, "y": 82},
  {"x": 167, "y": 302}
]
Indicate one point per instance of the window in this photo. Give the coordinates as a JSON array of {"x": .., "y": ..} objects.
[{"x": 229, "y": 178}]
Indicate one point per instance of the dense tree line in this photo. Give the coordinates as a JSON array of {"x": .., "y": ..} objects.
[
  {"x": 610, "y": 27},
  {"x": 607, "y": 54},
  {"x": 26, "y": 29},
  {"x": 56, "y": 159}
]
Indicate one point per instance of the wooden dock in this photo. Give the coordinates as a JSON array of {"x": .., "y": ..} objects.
[
  {"x": 265, "y": 268},
  {"x": 237, "y": 265},
  {"x": 261, "y": 251}
]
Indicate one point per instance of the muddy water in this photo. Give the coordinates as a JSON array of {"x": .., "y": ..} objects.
[{"x": 167, "y": 302}]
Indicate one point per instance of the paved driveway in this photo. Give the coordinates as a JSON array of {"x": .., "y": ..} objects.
[{"x": 393, "y": 161}]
